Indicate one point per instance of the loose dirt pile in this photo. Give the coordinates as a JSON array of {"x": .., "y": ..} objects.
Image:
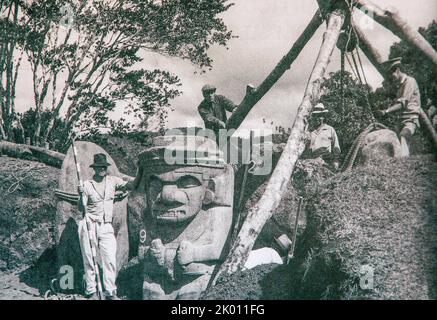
[
  {"x": 27, "y": 211},
  {"x": 383, "y": 215}
]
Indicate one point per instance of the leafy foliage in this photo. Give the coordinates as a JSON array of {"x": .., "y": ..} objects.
[
  {"x": 353, "y": 116},
  {"x": 92, "y": 63},
  {"x": 28, "y": 122}
]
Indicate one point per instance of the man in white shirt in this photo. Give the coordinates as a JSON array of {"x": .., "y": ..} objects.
[
  {"x": 98, "y": 195},
  {"x": 323, "y": 142}
]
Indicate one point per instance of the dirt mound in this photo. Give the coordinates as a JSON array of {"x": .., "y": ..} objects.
[
  {"x": 27, "y": 211},
  {"x": 265, "y": 282},
  {"x": 242, "y": 285},
  {"x": 12, "y": 288},
  {"x": 382, "y": 215}
]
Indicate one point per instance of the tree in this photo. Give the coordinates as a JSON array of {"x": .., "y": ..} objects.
[
  {"x": 354, "y": 115},
  {"x": 85, "y": 56},
  {"x": 9, "y": 64},
  {"x": 29, "y": 122}
]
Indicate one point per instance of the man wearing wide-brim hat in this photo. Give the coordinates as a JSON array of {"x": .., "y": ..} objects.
[
  {"x": 213, "y": 109},
  {"x": 98, "y": 195},
  {"x": 323, "y": 141},
  {"x": 407, "y": 103}
]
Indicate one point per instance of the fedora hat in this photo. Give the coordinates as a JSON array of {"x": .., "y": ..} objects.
[
  {"x": 390, "y": 64},
  {"x": 100, "y": 161},
  {"x": 319, "y": 109}
]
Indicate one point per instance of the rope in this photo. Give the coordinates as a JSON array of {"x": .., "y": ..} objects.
[
  {"x": 356, "y": 67},
  {"x": 369, "y": 107},
  {"x": 350, "y": 66},
  {"x": 357, "y": 145},
  {"x": 352, "y": 4},
  {"x": 361, "y": 65}
]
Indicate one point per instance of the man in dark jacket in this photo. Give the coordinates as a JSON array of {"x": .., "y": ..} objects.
[{"x": 213, "y": 109}]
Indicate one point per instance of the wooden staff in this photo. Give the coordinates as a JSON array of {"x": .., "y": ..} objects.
[
  {"x": 243, "y": 188},
  {"x": 296, "y": 226}
]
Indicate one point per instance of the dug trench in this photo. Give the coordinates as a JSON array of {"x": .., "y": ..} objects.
[{"x": 381, "y": 215}]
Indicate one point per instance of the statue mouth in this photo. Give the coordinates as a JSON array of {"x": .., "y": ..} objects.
[
  {"x": 176, "y": 214},
  {"x": 168, "y": 213}
]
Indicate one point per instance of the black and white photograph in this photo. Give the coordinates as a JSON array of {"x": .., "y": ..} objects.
[{"x": 218, "y": 150}]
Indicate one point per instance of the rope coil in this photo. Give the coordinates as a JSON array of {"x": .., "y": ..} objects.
[{"x": 351, "y": 156}]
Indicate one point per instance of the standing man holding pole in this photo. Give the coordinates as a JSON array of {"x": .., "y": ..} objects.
[{"x": 95, "y": 230}]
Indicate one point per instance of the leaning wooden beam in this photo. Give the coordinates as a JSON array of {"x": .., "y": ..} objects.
[
  {"x": 253, "y": 95},
  {"x": 371, "y": 53},
  {"x": 391, "y": 19},
  {"x": 263, "y": 210},
  {"x": 428, "y": 125},
  {"x": 375, "y": 58}
]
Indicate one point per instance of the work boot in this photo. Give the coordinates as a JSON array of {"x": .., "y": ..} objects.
[
  {"x": 112, "y": 296},
  {"x": 92, "y": 296}
]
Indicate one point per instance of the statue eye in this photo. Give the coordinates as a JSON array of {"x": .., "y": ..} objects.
[{"x": 188, "y": 182}]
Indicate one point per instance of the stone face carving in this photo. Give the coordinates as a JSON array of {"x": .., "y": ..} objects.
[{"x": 189, "y": 191}]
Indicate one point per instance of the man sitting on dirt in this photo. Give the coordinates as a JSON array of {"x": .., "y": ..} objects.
[
  {"x": 322, "y": 143},
  {"x": 98, "y": 195},
  {"x": 407, "y": 103},
  {"x": 213, "y": 109}
]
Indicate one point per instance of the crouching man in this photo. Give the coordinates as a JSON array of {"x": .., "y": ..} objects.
[
  {"x": 407, "y": 103},
  {"x": 98, "y": 196}
]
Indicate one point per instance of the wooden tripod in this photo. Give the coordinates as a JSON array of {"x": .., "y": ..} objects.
[{"x": 335, "y": 14}]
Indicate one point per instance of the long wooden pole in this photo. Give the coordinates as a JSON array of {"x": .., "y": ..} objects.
[
  {"x": 253, "y": 95},
  {"x": 371, "y": 53},
  {"x": 277, "y": 185},
  {"x": 390, "y": 19}
]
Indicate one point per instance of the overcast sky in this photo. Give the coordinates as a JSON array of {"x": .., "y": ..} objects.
[{"x": 266, "y": 30}]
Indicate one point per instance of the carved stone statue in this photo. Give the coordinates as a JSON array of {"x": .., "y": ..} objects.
[{"x": 189, "y": 191}]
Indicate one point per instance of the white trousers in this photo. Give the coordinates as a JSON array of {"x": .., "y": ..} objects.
[{"x": 103, "y": 238}]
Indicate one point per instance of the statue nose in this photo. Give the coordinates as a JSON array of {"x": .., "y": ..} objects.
[{"x": 171, "y": 194}]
